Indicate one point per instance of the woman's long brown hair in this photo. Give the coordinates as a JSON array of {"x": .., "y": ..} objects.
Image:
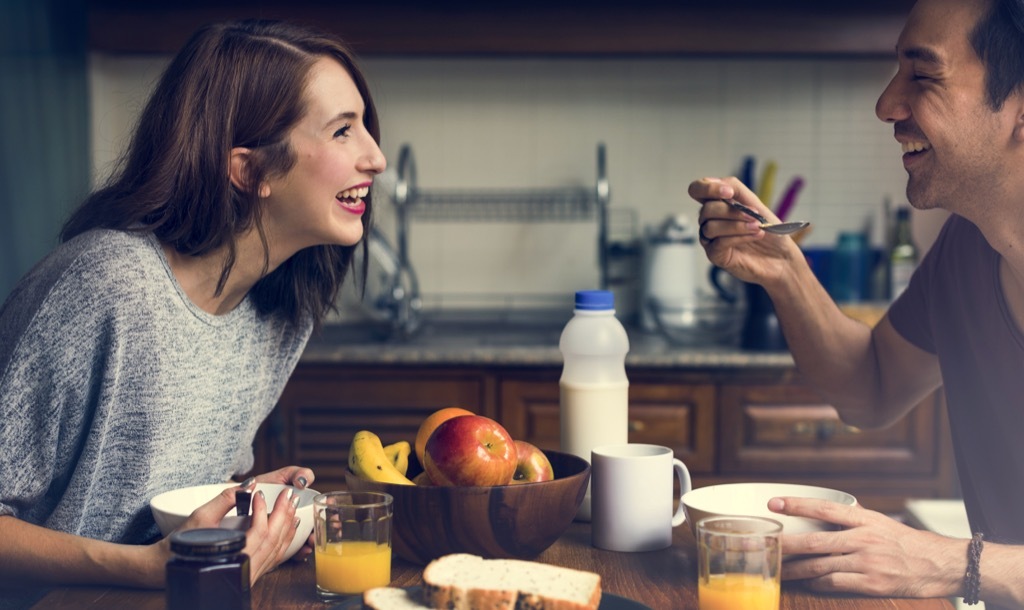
[{"x": 233, "y": 84}]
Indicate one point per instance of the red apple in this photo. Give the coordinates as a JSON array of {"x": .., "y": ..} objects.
[
  {"x": 470, "y": 450},
  {"x": 532, "y": 465}
]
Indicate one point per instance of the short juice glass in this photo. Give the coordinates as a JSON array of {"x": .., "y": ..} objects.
[
  {"x": 353, "y": 542},
  {"x": 739, "y": 563}
]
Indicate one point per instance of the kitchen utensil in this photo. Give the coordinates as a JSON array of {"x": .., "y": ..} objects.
[
  {"x": 849, "y": 268},
  {"x": 633, "y": 508},
  {"x": 513, "y": 521},
  {"x": 739, "y": 563},
  {"x": 778, "y": 228},
  {"x": 609, "y": 601},
  {"x": 767, "y": 183},
  {"x": 677, "y": 299},
  {"x": 171, "y": 508},
  {"x": 353, "y": 542},
  {"x": 671, "y": 256},
  {"x": 751, "y": 500},
  {"x": 711, "y": 324},
  {"x": 747, "y": 173},
  {"x": 788, "y": 199}
]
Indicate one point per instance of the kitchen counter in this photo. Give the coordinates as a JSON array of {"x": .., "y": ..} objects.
[
  {"x": 513, "y": 344},
  {"x": 730, "y": 414}
]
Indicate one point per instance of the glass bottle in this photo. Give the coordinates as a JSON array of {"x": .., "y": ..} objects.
[
  {"x": 594, "y": 390},
  {"x": 849, "y": 268},
  {"x": 209, "y": 571},
  {"x": 903, "y": 254}
]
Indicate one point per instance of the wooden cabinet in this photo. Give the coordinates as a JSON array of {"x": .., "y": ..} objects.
[
  {"x": 784, "y": 431},
  {"x": 533, "y": 27},
  {"x": 666, "y": 412},
  {"x": 726, "y": 426},
  {"x": 323, "y": 406}
]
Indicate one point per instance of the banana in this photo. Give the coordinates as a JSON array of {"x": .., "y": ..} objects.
[
  {"x": 398, "y": 453},
  {"x": 366, "y": 458}
]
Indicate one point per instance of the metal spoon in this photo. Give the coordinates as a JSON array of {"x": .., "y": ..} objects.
[{"x": 778, "y": 228}]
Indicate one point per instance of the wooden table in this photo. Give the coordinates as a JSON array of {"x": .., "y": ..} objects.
[{"x": 664, "y": 580}]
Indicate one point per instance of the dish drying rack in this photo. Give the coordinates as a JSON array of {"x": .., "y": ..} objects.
[{"x": 567, "y": 204}]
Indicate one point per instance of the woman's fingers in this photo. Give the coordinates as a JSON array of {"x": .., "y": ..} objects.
[
  {"x": 211, "y": 513},
  {"x": 296, "y": 476},
  {"x": 270, "y": 533}
]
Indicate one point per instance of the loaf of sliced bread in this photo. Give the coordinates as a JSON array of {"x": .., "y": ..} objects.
[
  {"x": 468, "y": 582},
  {"x": 392, "y": 598}
]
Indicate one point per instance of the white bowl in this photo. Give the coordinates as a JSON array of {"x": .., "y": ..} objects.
[
  {"x": 751, "y": 500},
  {"x": 171, "y": 508}
]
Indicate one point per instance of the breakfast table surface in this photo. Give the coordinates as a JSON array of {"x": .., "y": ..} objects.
[{"x": 662, "y": 580}]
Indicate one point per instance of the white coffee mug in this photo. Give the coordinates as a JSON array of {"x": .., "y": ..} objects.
[{"x": 631, "y": 496}]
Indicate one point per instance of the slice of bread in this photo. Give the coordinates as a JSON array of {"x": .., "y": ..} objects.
[
  {"x": 467, "y": 582},
  {"x": 391, "y": 598}
]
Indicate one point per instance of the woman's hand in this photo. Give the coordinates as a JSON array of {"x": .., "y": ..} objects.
[
  {"x": 733, "y": 240},
  {"x": 872, "y": 555},
  {"x": 300, "y": 478},
  {"x": 296, "y": 476},
  {"x": 268, "y": 536}
]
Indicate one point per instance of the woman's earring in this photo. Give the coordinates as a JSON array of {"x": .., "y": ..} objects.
[{"x": 265, "y": 191}]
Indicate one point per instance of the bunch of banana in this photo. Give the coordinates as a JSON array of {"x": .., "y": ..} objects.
[
  {"x": 398, "y": 453},
  {"x": 369, "y": 459}
]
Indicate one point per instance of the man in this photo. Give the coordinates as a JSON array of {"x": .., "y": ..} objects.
[{"x": 957, "y": 106}]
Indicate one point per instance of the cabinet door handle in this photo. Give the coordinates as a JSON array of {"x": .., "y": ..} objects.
[
  {"x": 822, "y": 430},
  {"x": 637, "y": 425},
  {"x": 801, "y": 428}
]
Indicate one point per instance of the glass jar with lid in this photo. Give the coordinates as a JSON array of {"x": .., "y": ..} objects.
[{"x": 208, "y": 570}]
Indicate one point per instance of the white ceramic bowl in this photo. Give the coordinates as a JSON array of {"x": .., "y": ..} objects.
[
  {"x": 751, "y": 500},
  {"x": 171, "y": 508}
]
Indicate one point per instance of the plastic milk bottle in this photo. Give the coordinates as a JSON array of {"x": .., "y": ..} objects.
[{"x": 594, "y": 400}]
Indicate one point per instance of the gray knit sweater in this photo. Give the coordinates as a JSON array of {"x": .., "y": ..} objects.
[{"x": 115, "y": 387}]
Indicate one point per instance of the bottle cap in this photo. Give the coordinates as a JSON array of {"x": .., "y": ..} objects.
[
  {"x": 207, "y": 542},
  {"x": 595, "y": 300}
]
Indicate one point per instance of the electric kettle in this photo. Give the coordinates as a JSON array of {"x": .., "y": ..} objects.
[
  {"x": 689, "y": 305},
  {"x": 670, "y": 264}
]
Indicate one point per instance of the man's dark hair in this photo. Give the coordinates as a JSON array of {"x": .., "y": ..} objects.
[{"x": 998, "y": 39}]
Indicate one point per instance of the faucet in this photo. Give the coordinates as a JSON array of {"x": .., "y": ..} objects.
[{"x": 403, "y": 296}]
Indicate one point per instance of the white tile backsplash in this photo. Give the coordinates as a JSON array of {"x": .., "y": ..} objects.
[{"x": 535, "y": 122}]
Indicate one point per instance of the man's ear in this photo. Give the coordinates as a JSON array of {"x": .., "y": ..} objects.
[
  {"x": 238, "y": 171},
  {"x": 1018, "y": 130},
  {"x": 1018, "y": 125}
]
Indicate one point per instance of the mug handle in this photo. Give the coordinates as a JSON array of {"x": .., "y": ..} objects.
[
  {"x": 683, "y": 474},
  {"x": 723, "y": 293}
]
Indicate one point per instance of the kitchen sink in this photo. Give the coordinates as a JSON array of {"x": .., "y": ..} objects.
[{"x": 454, "y": 331}]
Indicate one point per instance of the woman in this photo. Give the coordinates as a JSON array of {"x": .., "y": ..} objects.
[{"x": 144, "y": 352}]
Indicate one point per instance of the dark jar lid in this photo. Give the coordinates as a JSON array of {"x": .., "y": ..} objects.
[{"x": 207, "y": 542}]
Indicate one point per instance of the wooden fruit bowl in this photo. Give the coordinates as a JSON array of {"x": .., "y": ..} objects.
[{"x": 511, "y": 521}]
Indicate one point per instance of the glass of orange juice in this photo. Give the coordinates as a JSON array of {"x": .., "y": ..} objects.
[
  {"x": 739, "y": 563},
  {"x": 353, "y": 542}
]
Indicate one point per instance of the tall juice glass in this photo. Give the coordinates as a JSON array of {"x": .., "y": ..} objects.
[
  {"x": 353, "y": 542},
  {"x": 739, "y": 563}
]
